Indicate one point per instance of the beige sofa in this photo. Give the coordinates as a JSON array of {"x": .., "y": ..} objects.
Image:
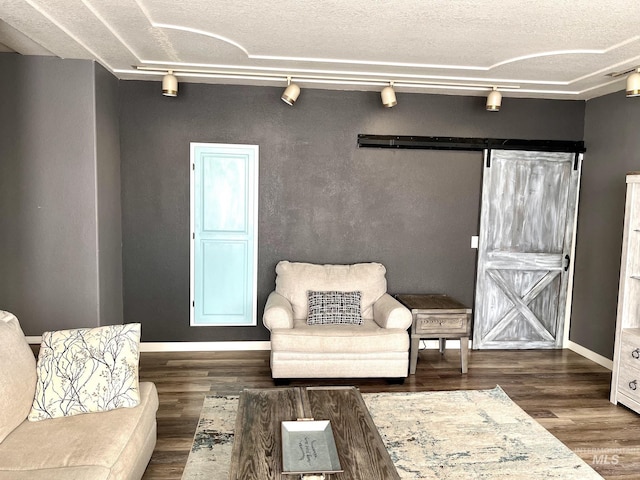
[
  {"x": 114, "y": 445},
  {"x": 377, "y": 348}
]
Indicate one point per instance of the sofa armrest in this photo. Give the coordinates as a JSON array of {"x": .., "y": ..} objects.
[
  {"x": 390, "y": 313},
  {"x": 278, "y": 312}
]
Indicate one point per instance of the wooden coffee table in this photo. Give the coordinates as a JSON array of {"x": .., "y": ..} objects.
[{"x": 257, "y": 445}]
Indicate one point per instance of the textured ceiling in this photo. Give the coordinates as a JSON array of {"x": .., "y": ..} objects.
[{"x": 541, "y": 49}]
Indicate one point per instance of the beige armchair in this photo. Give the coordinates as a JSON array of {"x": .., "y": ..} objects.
[{"x": 378, "y": 347}]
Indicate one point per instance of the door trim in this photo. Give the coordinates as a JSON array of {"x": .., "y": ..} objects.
[{"x": 569, "y": 304}]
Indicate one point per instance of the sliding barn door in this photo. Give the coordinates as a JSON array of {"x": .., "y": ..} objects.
[{"x": 526, "y": 235}]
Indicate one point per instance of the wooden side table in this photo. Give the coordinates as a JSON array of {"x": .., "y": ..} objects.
[{"x": 441, "y": 317}]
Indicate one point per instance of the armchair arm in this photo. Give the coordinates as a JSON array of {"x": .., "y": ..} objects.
[
  {"x": 390, "y": 313},
  {"x": 278, "y": 312}
]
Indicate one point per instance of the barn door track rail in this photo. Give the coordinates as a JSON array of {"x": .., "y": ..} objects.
[{"x": 468, "y": 144}]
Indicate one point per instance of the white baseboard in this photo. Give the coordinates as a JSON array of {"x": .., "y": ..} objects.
[
  {"x": 266, "y": 345},
  {"x": 189, "y": 346},
  {"x": 574, "y": 347},
  {"x": 593, "y": 356},
  {"x": 203, "y": 346},
  {"x": 237, "y": 346}
]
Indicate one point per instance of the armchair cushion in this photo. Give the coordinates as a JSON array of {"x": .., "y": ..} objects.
[
  {"x": 335, "y": 339},
  {"x": 294, "y": 280}
]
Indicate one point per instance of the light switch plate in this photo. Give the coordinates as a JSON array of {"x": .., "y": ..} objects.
[{"x": 474, "y": 241}]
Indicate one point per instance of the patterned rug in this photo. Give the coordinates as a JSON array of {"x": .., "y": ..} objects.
[{"x": 469, "y": 434}]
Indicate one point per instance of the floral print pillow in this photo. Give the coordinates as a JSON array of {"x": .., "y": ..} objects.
[{"x": 87, "y": 370}]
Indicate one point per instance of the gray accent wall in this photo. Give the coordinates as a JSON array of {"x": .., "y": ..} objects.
[
  {"x": 49, "y": 205},
  {"x": 613, "y": 150},
  {"x": 321, "y": 199}
]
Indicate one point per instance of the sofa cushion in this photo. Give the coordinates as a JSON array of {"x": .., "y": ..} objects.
[
  {"x": 87, "y": 370},
  {"x": 96, "y": 446},
  {"x": 17, "y": 374},
  {"x": 365, "y": 338},
  {"x": 334, "y": 308},
  {"x": 294, "y": 279}
]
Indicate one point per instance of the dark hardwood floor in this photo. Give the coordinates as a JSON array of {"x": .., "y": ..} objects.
[{"x": 566, "y": 393}]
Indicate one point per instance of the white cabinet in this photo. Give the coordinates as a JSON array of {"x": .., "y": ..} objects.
[{"x": 625, "y": 381}]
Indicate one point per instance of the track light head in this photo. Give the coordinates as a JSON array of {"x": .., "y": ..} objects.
[
  {"x": 170, "y": 85},
  {"x": 633, "y": 84},
  {"x": 494, "y": 100},
  {"x": 290, "y": 94},
  {"x": 388, "y": 96}
]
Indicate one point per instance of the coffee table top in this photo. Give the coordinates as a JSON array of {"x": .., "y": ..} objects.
[{"x": 257, "y": 446}]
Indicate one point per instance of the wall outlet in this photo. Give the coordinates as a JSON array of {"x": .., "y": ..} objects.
[{"x": 474, "y": 241}]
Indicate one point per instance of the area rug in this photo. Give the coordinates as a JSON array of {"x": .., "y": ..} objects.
[{"x": 468, "y": 434}]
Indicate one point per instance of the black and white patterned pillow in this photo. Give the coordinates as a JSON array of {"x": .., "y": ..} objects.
[
  {"x": 86, "y": 370},
  {"x": 334, "y": 308}
]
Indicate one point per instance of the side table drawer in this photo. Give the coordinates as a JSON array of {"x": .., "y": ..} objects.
[
  {"x": 439, "y": 323},
  {"x": 629, "y": 368},
  {"x": 630, "y": 350},
  {"x": 629, "y": 383}
]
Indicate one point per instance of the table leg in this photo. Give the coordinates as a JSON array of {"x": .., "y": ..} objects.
[
  {"x": 443, "y": 345},
  {"x": 413, "y": 358},
  {"x": 464, "y": 353}
]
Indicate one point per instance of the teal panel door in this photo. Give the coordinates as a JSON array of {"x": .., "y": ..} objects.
[{"x": 224, "y": 234}]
